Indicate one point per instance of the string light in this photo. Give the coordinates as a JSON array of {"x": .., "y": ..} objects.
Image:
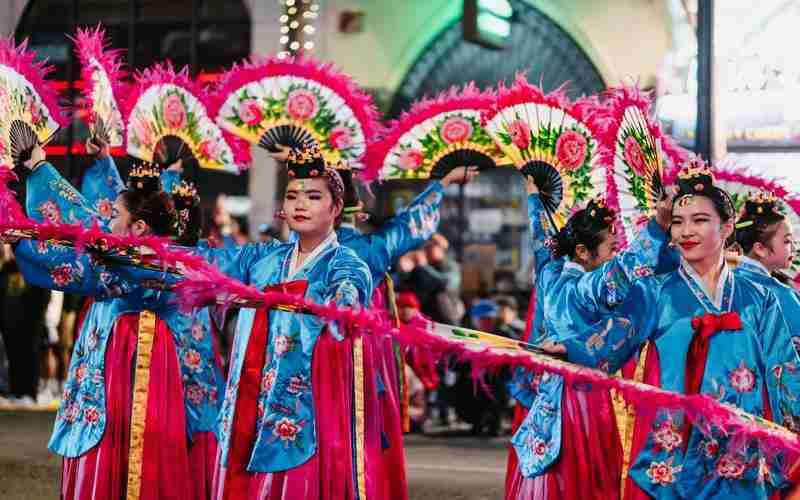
[{"x": 297, "y": 25}]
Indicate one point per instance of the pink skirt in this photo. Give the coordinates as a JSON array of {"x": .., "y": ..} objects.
[
  {"x": 329, "y": 474},
  {"x": 590, "y": 463},
  {"x": 102, "y": 472}
]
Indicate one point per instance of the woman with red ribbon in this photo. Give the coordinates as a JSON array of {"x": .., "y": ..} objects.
[{"x": 713, "y": 332}]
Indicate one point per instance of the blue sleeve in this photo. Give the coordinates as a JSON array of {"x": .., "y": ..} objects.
[
  {"x": 169, "y": 179},
  {"x": 57, "y": 267},
  {"x": 51, "y": 199},
  {"x": 782, "y": 365},
  {"x": 604, "y": 288},
  {"x": 101, "y": 186},
  {"x": 406, "y": 231},
  {"x": 541, "y": 231},
  {"x": 237, "y": 262},
  {"x": 349, "y": 284}
]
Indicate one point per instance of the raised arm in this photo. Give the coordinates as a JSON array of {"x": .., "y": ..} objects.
[{"x": 102, "y": 184}]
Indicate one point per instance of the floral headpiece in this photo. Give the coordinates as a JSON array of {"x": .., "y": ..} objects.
[{"x": 145, "y": 177}]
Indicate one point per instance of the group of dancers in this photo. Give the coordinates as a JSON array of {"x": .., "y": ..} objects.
[{"x": 644, "y": 268}]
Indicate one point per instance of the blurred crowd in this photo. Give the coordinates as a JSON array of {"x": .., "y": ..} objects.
[{"x": 38, "y": 330}]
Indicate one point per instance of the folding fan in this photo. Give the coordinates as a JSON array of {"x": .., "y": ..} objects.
[
  {"x": 295, "y": 103},
  {"x": 102, "y": 74},
  {"x": 434, "y": 137},
  {"x": 552, "y": 140},
  {"x": 738, "y": 183},
  {"x": 29, "y": 111},
  {"x": 631, "y": 149},
  {"x": 164, "y": 106}
]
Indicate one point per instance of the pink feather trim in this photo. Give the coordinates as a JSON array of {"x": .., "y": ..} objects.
[
  {"x": 255, "y": 69},
  {"x": 454, "y": 99},
  {"x": 24, "y": 62},
  {"x": 92, "y": 43}
]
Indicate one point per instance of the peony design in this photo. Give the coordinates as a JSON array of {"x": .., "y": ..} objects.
[
  {"x": 91, "y": 415},
  {"x": 571, "y": 149},
  {"x": 634, "y": 156},
  {"x": 80, "y": 372},
  {"x": 641, "y": 271},
  {"x": 71, "y": 412},
  {"x": 520, "y": 134},
  {"x": 742, "y": 378},
  {"x": 62, "y": 275},
  {"x": 411, "y": 159},
  {"x": 730, "y": 466},
  {"x": 283, "y": 344},
  {"x": 143, "y": 131},
  {"x": 662, "y": 473},
  {"x": 302, "y": 104},
  {"x": 709, "y": 447},
  {"x": 50, "y": 211},
  {"x": 174, "y": 112},
  {"x": 250, "y": 112},
  {"x": 268, "y": 381},
  {"x": 195, "y": 393},
  {"x": 197, "y": 331},
  {"x": 192, "y": 360},
  {"x": 340, "y": 138},
  {"x": 286, "y": 429},
  {"x": 105, "y": 208},
  {"x": 456, "y": 129},
  {"x": 667, "y": 437}
]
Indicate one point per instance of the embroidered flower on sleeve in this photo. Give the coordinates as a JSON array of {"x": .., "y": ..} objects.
[
  {"x": 268, "y": 381},
  {"x": 192, "y": 360},
  {"x": 62, "y": 275},
  {"x": 730, "y": 466},
  {"x": 287, "y": 429},
  {"x": 80, "y": 372},
  {"x": 297, "y": 385},
  {"x": 642, "y": 271},
  {"x": 667, "y": 436},
  {"x": 50, "y": 211},
  {"x": 91, "y": 415},
  {"x": 663, "y": 473},
  {"x": 197, "y": 331},
  {"x": 742, "y": 378},
  {"x": 105, "y": 208},
  {"x": 71, "y": 412},
  {"x": 709, "y": 447},
  {"x": 195, "y": 393}
]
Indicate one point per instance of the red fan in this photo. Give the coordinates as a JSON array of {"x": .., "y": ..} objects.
[
  {"x": 295, "y": 103},
  {"x": 434, "y": 137},
  {"x": 104, "y": 86}
]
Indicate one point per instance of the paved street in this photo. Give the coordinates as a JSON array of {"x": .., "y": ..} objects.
[{"x": 444, "y": 467}]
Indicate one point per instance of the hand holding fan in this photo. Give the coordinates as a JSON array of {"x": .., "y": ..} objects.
[
  {"x": 295, "y": 103},
  {"x": 164, "y": 106},
  {"x": 631, "y": 148},
  {"x": 103, "y": 90},
  {"x": 552, "y": 140},
  {"x": 434, "y": 137},
  {"x": 29, "y": 111}
]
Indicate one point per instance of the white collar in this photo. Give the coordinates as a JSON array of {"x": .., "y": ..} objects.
[
  {"x": 716, "y": 297},
  {"x": 568, "y": 264},
  {"x": 330, "y": 241},
  {"x": 753, "y": 263}
]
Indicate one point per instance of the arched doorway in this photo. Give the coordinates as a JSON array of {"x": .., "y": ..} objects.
[{"x": 487, "y": 222}]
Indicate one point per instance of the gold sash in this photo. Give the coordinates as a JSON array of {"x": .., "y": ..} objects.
[{"x": 144, "y": 352}]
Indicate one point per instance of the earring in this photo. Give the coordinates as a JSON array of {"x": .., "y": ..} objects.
[{"x": 280, "y": 214}]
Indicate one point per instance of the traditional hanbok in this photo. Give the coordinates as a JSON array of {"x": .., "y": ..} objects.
[
  {"x": 287, "y": 426},
  {"x": 171, "y": 407},
  {"x": 569, "y": 446}
]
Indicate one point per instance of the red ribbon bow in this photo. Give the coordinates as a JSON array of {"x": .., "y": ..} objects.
[{"x": 705, "y": 327}]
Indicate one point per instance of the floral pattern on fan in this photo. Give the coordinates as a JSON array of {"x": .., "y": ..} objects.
[
  {"x": 170, "y": 110},
  {"x": 415, "y": 157},
  {"x": 252, "y": 112}
]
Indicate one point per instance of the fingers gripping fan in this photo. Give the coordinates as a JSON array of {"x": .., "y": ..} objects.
[
  {"x": 739, "y": 183},
  {"x": 296, "y": 103},
  {"x": 550, "y": 139},
  {"x": 29, "y": 111},
  {"x": 631, "y": 148},
  {"x": 164, "y": 103},
  {"x": 434, "y": 137},
  {"x": 102, "y": 74}
]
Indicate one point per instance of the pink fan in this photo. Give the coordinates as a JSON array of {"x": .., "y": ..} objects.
[
  {"x": 29, "y": 110},
  {"x": 434, "y": 137},
  {"x": 551, "y": 139},
  {"x": 296, "y": 103},
  {"x": 165, "y": 106},
  {"x": 634, "y": 152},
  {"x": 104, "y": 87}
]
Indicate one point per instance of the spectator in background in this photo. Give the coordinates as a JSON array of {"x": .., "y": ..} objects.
[
  {"x": 508, "y": 322},
  {"x": 436, "y": 279},
  {"x": 22, "y": 323},
  {"x": 267, "y": 234}
]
